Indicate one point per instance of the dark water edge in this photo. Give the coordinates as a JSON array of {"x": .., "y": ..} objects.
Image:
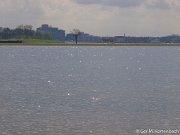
[
  {"x": 10, "y": 41},
  {"x": 88, "y": 90}
]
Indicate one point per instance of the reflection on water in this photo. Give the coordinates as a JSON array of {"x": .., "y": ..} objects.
[{"x": 88, "y": 90}]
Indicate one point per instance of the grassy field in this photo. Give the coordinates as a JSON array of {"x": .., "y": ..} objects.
[{"x": 34, "y": 41}]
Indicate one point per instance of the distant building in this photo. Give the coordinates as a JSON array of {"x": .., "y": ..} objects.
[
  {"x": 84, "y": 38},
  {"x": 107, "y": 39},
  {"x": 155, "y": 40},
  {"x": 119, "y": 39},
  {"x": 1, "y": 29},
  {"x": 55, "y": 32}
]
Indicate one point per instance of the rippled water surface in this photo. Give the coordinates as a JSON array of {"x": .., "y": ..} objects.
[{"x": 88, "y": 90}]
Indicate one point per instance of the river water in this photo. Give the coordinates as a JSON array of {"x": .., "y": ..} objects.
[{"x": 88, "y": 90}]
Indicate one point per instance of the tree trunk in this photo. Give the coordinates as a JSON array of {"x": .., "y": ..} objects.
[{"x": 76, "y": 38}]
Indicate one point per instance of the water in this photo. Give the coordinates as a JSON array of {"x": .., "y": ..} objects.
[{"x": 88, "y": 90}]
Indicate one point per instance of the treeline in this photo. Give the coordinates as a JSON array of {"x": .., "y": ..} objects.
[
  {"x": 23, "y": 31},
  {"x": 166, "y": 39}
]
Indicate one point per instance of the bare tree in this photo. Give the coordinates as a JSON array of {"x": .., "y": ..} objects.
[
  {"x": 20, "y": 27},
  {"x": 23, "y": 27},
  {"x": 28, "y": 27},
  {"x": 76, "y": 33}
]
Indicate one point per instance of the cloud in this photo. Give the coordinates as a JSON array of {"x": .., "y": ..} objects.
[
  {"x": 163, "y": 4},
  {"x": 98, "y": 17},
  {"x": 154, "y": 4},
  {"x": 15, "y": 12},
  {"x": 119, "y": 3},
  {"x": 158, "y": 4}
]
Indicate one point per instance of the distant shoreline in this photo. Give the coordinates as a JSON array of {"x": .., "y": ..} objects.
[{"x": 65, "y": 44}]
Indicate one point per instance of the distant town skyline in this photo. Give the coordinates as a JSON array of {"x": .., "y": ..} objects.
[
  {"x": 45, "y": 32},
  {"x": 97, "y": 17}
]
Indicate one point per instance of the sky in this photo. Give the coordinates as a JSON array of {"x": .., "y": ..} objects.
[{"x": 97, "y": 17}]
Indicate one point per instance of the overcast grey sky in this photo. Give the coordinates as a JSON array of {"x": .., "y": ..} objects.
[{"x": 98, "y": 17}]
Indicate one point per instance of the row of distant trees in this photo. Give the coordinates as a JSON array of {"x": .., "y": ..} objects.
[
  {"x": 23, "y": 31},
  {"x": 26, "y": 31}
]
